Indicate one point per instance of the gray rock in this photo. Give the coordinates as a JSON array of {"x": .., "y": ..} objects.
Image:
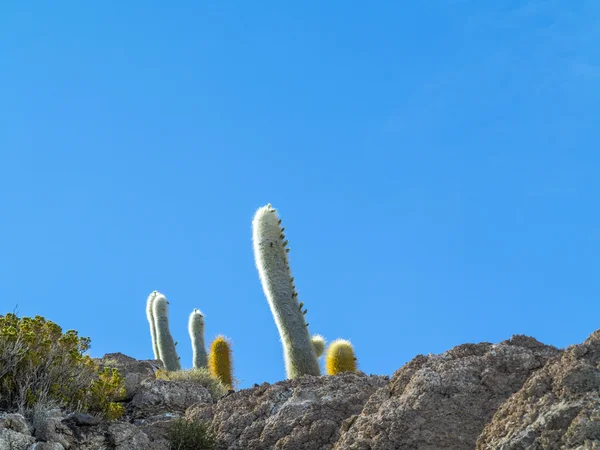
[
  {"x": 46, "y": 446},
  {"x": 156, "y": 432},
  {"x": 49, "y": 427},
  {"x": 304, "y": 413},
  {"x": 133, "y": 371},
  {"x": 126, "y": 436},
  {"x": 15, "y": 422},
  {"x": 444, "y": 401},
  {"x": 81, "y": 419},
  {"x": 159, "y": 396},
  {"x": 557, "y": 408},
  {"x": 13, "y": 440}
]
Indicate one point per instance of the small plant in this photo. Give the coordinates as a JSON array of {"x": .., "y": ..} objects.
[
  {"x": 40, "y": 363},
  {"x": 318, "y": 343},
  {"x": 200, "y": 376},
  {"x": 340, "y": 357},
  {"x": 185, "y": 435},
  {"x": 219, "y": 362}
]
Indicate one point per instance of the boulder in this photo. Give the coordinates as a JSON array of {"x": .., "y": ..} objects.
[
  {"x": 557, "y": 408},
  {"x": 49, "y": 427},
  {"x": 13, "y": 440},
  {"x": 15, "y": 422},
  {"x": 304, "y": 413},
  {"x": 132, "y": 370},
  {"x": 444, "y": 401},
  {"x": 161, "y": 399}
]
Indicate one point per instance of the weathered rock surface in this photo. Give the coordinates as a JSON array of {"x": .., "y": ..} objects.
[
  {"x": 49, "y": 427},
  {"x": 13, "y": 440},
  {"x": 516, "y": 395},
  {"x": 557, "y": 408},
  {"x": 133, "y": 371},
  {"x": 444, "y": 401},
  {"x": 15, "y": 422},
  {"x": 170, "y": 398},
  {"x": 305, "y": 413}
]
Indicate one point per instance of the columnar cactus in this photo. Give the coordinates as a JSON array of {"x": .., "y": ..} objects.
[
  {"x": 270, "y": 253},
  {"x": 196, "y": 329},
  {"x": 340, "y": 357},
  {"x": 150, "y": 316},
  {"x": 318, "y": 343},
  {"x": 165, "y": 343},
  {"x": 219, "y": 363}
]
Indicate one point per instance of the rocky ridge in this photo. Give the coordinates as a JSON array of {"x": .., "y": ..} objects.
[{"x": 518, "y": 394}]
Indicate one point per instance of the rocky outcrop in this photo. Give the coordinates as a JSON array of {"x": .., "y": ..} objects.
[
  {"x": 161, "y": 398},
  {"x": 444, "y": 401},
  {"x": 304, "y": 413},
  {"x": 557, "y": 408},
  {"x": 134, "y": 371},
  {"x": 518, "y": 394}
]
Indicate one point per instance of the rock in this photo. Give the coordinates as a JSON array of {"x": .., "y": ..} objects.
[
  {"x": 444, "y": 401},
  {"x": 557, "y": 408},
  {"x": 81, "y": 419},
  {"x": 15, "y": 422},
  {"x": 304, "y": 413},
  {"x": 13, "y": 440},
  {"x": 49, "y": 427},
  {"x": 156, "y": 432},
  {"x": 126, "y": 436},
  {"x": 46, "y": 446},
  {"x": 160, "y": 397},
  {"x": 132, "y": 370}
]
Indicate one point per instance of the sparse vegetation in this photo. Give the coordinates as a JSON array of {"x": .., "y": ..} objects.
[
  {"x": 200, "y": 376},
  {"x": 185, "y": 435},
  {"x": 40, "y": 363}
]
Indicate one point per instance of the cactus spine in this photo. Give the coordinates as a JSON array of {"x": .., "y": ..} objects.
[
  {"x": 196, "y": 329},
  {"x": 340, "y": 357},
  {"x": 165, "y": 343},
  {"x": 150, "y": 316},
  {"x": 318, "y": 343},
  {"x": 270, "y": 253},
  {"x": 219, "y": 363}
]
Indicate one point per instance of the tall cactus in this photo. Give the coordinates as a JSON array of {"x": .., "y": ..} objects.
[
  {"x": 318, "y": 343},
  {"x": 196, "y": 330},
  {"x": 220, "y": 364},
  {"x": 150, "y": 316},
  {"x": 165, "y": 343},
  {"x": 340, "y": 357},
  {"x": 270, "y": 253}
]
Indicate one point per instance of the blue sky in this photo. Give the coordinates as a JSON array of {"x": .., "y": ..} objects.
[{"x": 435, "y": 165}]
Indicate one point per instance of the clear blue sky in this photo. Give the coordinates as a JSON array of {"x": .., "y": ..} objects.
[{"x": 435, "y": 164}]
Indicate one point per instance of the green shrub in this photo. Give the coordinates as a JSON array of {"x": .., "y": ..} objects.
[
  {"x": 40, "y": 363},
  {"x": 200, "y": 376},
  {"x": 184, "y": 435}
]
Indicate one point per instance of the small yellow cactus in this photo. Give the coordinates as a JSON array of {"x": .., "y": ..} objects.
[
  {"x": 219, "y": 361},
  {"x": 340, "y": 357}
]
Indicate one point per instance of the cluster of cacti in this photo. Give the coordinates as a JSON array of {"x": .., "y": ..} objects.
[
  {"x": 164, "y": 346},
  {"x": 300, "y": 350}
]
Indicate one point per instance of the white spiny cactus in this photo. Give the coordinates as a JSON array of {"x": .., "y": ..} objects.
[
  {"x": 150, "y": 316},
  {"x": 166, "y": 346},
  {"x": 196, "y": 330},
  {"x": 271, "y": 257}
]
